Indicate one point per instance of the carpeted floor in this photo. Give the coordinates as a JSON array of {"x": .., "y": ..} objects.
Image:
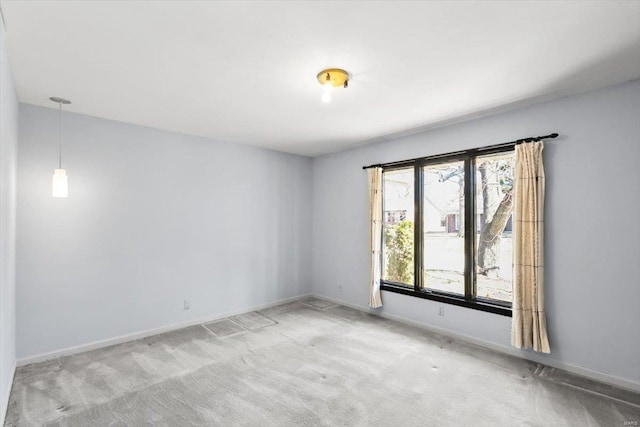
[{"x": 307, "y": 363}]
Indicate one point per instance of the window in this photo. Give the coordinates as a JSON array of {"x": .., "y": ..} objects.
[
  {"x": 398, "y": 232},
  {"x": 494, "y": 204},
  {"x": 447, "y": 228},
  {"x": 443, "y": 245}
]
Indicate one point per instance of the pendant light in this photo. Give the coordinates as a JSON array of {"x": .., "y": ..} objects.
[{"x": 59, "y": 184}]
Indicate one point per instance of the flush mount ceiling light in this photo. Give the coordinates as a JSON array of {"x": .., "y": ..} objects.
[
  {"x": 60, "y": 188},
  {"x": 330, "y": 78}
]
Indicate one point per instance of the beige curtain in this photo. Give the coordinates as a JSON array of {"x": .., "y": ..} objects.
[
  {"x": 375, "y": 235},
  {"x": 529, "y": 325}
]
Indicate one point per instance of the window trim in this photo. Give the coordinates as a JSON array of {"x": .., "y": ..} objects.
[{"x": 470, "y": 280}]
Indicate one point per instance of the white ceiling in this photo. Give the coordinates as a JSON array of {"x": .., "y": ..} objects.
[{"x": 246, "y": 71}]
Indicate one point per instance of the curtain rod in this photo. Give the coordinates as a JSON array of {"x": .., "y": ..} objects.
[{"x": 487, "y": 147}]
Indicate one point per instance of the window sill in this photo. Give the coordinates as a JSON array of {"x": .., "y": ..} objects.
[{"x": 477, "y": 304}]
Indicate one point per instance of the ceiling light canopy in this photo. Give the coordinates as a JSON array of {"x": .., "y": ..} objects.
[{"x": 330, "y": 78}]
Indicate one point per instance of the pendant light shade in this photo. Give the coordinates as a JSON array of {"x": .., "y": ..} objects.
[{"x": 59, "y": 186}]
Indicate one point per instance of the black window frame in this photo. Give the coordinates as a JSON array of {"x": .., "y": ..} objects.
[{"x": 468, "y": 300}]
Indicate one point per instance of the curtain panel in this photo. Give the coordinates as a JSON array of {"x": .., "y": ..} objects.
[
  {"x": 529, "y": 324},
  {"x": 375, "y": 235}
]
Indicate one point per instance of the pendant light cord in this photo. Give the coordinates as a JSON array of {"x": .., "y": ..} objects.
[{"x": 60, "y": 136}]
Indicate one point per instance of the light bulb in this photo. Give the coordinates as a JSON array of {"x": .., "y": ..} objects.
[
  {"x": 60, "y": 188},
  {"x": 327, "y": 88}
]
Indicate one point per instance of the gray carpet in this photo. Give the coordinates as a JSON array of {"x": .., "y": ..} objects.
[
  {"x": 224, "y": 328},
  {"x": 308, "y": 364}
]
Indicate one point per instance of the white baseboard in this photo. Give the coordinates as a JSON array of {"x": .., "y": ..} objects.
[
  {"x": 5, "y": 405},
  {"x": 578, "y": 370},
  {"x": 147, "y": 333}
]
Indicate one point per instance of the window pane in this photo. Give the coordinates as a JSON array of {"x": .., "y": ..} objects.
[
  {"x": 443, "y": 222},
  {"x": 397, "y": 250},
  {"x": 494, "y": 204}
]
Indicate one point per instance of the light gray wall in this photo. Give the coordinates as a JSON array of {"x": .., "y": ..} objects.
[
  {"x": 8, "y": 161},
  {"x": 592, "y": 228},
  {"x": 153, "y": 218}
]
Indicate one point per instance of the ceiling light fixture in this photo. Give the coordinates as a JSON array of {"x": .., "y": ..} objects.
[
  {"x": 60, "y": 187},
  {"x": 330, "y": 78}
]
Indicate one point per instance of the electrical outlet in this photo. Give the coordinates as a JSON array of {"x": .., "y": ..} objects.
[
  {"x": 187, "y": 305},
  {"x": 340, "y": 287},
  {"x": 441, "y": 310}
]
